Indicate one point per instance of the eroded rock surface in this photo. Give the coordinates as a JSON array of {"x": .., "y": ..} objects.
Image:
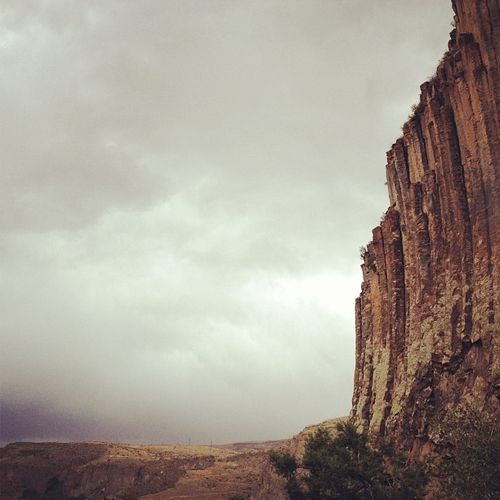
[
  {"x": 119, "y": 471},
  {"x": 427, "y": 318}
]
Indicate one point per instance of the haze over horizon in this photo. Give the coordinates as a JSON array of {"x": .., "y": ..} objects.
[{"x": 185, "y": 188}]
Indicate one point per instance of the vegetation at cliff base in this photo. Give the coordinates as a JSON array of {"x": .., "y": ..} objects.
[
  {"x": 469, "y": 463},
  {"x": 347, "y": 466},
  {"x": 465, "y": 463}
]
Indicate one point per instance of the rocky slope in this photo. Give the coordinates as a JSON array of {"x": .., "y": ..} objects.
[
  {"x": 427, "y": 319},
  {"x": 119, "y": 471},
  {"x": 102, "y": 470}
]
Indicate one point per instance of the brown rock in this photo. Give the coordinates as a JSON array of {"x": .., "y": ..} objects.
[
  {"x": 428, "y": 314},
  {"x": 122, "y": 471}
]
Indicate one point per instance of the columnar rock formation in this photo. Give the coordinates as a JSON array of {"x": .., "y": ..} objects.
[{"x": 427, "y": 319}]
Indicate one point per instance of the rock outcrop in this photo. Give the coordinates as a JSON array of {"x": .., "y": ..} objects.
[
  {"x": 98, "y": 470},
  {"x": 427, "y": 318}
]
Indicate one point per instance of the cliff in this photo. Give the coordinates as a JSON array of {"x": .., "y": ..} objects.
[
  {"x": 97, "y": 470},
  {"x": 428, "y": 313}
]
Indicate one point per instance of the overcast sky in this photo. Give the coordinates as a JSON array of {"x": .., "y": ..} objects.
[{"x": 185, "y": 185}]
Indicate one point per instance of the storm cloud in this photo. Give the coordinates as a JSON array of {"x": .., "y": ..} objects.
[{"x": 185, "y": 186}]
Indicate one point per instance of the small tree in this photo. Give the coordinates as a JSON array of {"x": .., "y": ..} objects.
[
  {"x": 348, "y": 467},
  {"x": 284, "y": 463},
  {"x": 469, "y": 465}
]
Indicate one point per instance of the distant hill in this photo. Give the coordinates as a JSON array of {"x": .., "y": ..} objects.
[{"x": 99, "y": 470}]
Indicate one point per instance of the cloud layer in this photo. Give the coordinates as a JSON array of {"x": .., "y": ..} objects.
[{"x": 184, "y": 189}]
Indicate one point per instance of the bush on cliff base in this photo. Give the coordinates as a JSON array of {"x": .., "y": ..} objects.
[
  {"x": 469, "y": 464},
  {"x": 346, "y": 466}
]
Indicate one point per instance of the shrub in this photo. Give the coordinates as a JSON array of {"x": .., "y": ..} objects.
[
  {"x": 347, "y": 466},
  {"x": 468, "y": 466},
  {"x": 284, "y": 463}
]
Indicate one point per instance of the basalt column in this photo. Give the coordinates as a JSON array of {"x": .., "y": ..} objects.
[{"x": 427, "y": 318}]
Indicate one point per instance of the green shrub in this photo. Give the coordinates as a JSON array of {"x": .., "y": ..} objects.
[
  {"x": 346, "y": 466},
  {"x": 284, "y": 463},
  {"x": 468, "y": 466}
]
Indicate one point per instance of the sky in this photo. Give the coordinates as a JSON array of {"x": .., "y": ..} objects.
[{"x": 184, "y": 189}]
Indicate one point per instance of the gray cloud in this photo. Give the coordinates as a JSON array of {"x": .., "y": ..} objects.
[{"x": 184, "y": 189}]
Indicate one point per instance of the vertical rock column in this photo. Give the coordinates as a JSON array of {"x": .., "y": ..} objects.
[{"x": 427, "y": 318}]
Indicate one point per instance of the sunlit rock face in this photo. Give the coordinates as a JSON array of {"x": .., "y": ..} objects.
[{"x": 427, "y": 318}]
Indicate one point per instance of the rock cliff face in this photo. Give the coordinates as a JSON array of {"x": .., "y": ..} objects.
[
  {"x": 427, "y": 318},
  {"x": 97, "y": 470}
]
